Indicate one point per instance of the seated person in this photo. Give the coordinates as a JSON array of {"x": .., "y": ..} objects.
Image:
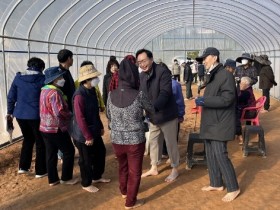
[{"x": 246, "y": 98}]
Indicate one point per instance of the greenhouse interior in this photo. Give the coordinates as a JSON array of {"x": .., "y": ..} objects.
[{"x": 96, "y": 29}]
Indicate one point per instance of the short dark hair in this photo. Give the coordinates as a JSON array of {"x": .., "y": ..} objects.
[
  {"x": 148, "y": 53},
  {"x": 63, "y": 55},
  {"x": 36, "y": 62},
  {"x": 175, "y": 60},
  {"x": 86, "y": 63}
]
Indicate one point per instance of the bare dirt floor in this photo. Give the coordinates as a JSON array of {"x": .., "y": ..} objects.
[{"x": 259, "y": 178}]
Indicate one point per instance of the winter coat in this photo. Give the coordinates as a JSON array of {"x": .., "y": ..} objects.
[
  {"x": 177, "y": 92},
  {"x": 251, "y": 72},
  {"x": 176, "y": 69},
  {"x": 54, "y": 112},
  {"x": 157, "y": 86},
  {"x": 188, "y": 76},
  {"x": 24, "y": 96},
  {"x": 201, "y": 70},
  {"x": 69, "y": 87},
  {"x": 266, "y": 78},
  {"x": 106, "y": 84},
  {"x": 218, "y": 113}
]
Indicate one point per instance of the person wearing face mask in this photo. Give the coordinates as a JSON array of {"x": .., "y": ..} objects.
[
  {"x": 88, "y": 129},
  {"x": 246, "y": 69},
  {"x": 55, "y": 117},
  {"x": 101, "y": 104},
  {"x": 23, "y": 104},
  {"x": 218, "y": 123}
]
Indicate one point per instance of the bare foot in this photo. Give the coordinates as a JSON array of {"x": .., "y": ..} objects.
[
  {"x": 151, "y": 172},
  {"x": 173, "y": 176},
  {"x": 231, "y": 196},
  {"x": 137, "y": 204},
  {"x": 91, "y": 189},
  {"x": 70, "y": 182},
  {"x": 210, "y": 188},
  {"x": 240, "y": 138},
  {"x": 101, "y": 180}
]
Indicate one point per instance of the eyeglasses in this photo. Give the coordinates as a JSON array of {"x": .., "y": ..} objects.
[{"x": 143, "y": 61}]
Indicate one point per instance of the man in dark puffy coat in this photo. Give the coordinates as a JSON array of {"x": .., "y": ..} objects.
[
  {"x": 218, "y": 124},
  {"x": 267, "y": 79},
  {"x": 155, "y": 81}
]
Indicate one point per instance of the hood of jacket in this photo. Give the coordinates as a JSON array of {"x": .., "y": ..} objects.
[{"x": 30, "y": 78}]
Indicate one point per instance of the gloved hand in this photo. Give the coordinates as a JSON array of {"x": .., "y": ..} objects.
[{"x": 199, "y": 101}]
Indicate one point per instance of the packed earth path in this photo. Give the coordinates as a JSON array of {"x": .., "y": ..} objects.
[{"x": 259, "y": 178}]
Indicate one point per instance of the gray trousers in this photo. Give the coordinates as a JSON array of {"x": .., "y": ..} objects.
[
  {"x": 169, "y": 131},
  {"x": 219, "y": 165}
]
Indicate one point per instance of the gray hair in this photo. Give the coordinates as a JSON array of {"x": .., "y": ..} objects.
[{"x": 246, "y": 80}]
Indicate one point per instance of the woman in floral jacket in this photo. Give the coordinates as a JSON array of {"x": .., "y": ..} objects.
[{"x": 55, "y": 117}]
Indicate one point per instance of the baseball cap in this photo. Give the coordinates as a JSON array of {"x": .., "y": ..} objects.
[{"x": 206, "y": 52}]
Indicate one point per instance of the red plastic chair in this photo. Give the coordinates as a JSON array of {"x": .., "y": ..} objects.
[
  {"x": 196, "y": 109},
  {"x": 245, "y": 116}
]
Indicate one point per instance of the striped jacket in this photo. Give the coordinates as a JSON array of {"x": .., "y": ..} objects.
[{"x": 54, "y": 112}]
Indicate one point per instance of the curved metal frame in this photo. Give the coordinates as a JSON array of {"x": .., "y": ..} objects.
[
  {"x": 232, "y": 13},
  {"x": 124, "y": 37},
  {"x": 152, "y": 22}
]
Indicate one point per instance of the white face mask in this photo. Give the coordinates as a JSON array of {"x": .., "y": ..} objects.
[
  {"x": 60, "y": 82},
  {"x": 94, "y": 82},
  {"x": 244, "y": 61}
]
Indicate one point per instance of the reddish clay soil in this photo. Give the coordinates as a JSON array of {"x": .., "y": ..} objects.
[{"x": 259, "y": 178}]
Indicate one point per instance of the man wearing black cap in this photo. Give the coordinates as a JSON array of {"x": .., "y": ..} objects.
[{"x": 218, "y": 124}]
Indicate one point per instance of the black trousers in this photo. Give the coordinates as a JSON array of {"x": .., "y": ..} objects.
[
  {"x": 54, "y": 142},
  {"x": 91, "y": 160},
  {"x": 32, "y": 135},
  {"x": 267, "y": 95},
  {"x": 189, "y": 89},
  {"x": 177, "y": 77}
]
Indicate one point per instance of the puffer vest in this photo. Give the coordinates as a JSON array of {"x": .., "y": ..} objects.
[{"x": 91, "y": 111}]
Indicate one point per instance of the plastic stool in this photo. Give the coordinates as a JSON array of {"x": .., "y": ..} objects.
[
  {"x": 251, "y": 129},
  {"x": 195, "y": 157}
]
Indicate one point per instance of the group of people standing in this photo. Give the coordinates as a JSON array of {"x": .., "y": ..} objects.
[
  {"x": 54, "y": 111},
  {"x": 46, "y": 105}
]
